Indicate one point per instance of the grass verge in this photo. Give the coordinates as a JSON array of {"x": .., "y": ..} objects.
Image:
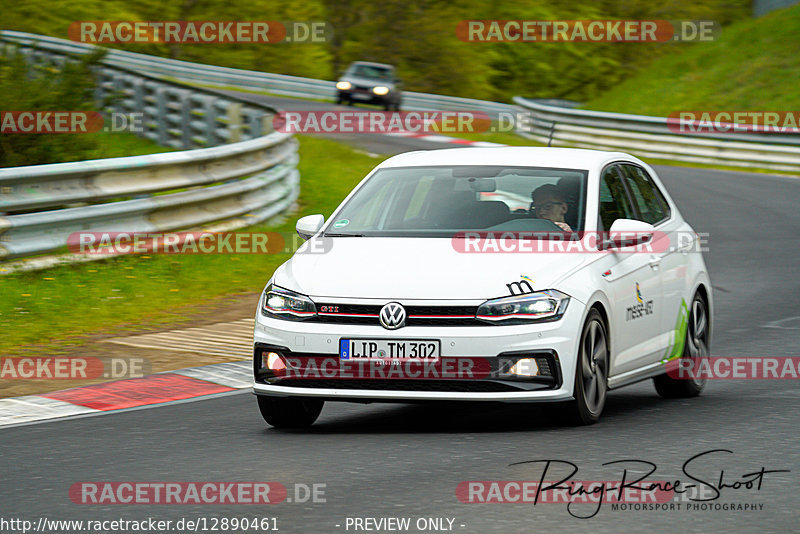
[
  {"x": 754, "y": 65},
  {"x": 122, "y": 144}
]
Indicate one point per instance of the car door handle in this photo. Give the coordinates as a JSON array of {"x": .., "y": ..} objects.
[{"x": 655, "y": 262}]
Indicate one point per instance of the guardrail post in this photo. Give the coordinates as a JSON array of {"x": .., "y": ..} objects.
[
  {"x": 257, "y": 125},
  {"x": 119, "y": 92},
  {"x": 161, "y": 105},
  {"x": 138, "y": 103},
  {"x": 234, "y": 128},
  {"x": 266, "y": 124},
  {"x": 186, "y": 119}
]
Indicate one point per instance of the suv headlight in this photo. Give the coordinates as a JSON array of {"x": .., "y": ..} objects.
[
  {"x": 541, "y": 306},
  {"x": 284, "y": 304},
  {"x": 343, "y": 85},
  {"x": 380, "y": 90}
]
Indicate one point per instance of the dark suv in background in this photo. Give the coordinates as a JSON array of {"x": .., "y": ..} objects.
[{"x": 370, "y": 83}]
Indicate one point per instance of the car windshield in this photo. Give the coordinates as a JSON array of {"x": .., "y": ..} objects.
[
  {"x": 440, "y": 201},
  {"x": 370, "y": 71}
]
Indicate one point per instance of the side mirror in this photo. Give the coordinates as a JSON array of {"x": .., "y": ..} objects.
[
  {"x": 628, "y": 233},
  {"x": 309, "y": 225}
]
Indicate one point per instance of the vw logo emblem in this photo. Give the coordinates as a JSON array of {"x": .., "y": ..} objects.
[{"x": 392, "y": 316}]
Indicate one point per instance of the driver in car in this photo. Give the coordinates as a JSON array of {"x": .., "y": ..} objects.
[{"x": 549, "y": 203}]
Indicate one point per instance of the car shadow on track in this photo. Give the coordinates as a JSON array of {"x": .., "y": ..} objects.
[{"x": 470, "y": 417}]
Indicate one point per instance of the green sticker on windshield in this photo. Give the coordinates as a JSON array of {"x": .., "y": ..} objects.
[{"x": 340, "y": 223}]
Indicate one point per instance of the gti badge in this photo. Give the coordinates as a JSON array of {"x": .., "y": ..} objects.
[{"x": 392, "y": 316}]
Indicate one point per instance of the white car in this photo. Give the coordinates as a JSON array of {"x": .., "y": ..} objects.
[{"x": 423, "y": 286}]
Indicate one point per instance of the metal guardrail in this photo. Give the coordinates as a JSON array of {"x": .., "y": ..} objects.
[
  {"x": 250, "y": 200},
  {"x": 63, "y": 184},
  {"x": 175, "y": 115},
  {"x": 247, "y": 174},
  {"x": 651, "y": 137}
]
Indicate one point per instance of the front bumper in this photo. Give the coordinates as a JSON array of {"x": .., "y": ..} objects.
[
  {"x": 488, "y": 343},
  {"x": 365, "y": 97}
]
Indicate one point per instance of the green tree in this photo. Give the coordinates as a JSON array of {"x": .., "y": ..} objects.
[{"x": 69, "y": 87}]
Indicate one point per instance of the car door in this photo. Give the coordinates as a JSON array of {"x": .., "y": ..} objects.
[
  {"x": 669, "y": 248},
  {"x": 634, "y": 283}
]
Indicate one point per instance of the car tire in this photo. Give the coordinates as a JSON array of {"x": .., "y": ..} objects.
[
  {"x": 695, "y": 347},
  {"x": 591, "y": 373},
  {"x": 289, "y": 412}
]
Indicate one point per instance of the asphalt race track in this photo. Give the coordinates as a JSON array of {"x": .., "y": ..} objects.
[{"x": 386, "y": 460}]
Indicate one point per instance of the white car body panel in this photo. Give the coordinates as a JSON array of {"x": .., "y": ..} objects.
[{"x": 368, "y": 268}]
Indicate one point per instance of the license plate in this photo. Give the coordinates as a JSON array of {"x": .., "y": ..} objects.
[
  {"x": 426, "y": 350},
  {"x": 362, "y": 96}
]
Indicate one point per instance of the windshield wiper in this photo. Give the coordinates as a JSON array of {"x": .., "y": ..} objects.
[{"x": 342, "y": 235}]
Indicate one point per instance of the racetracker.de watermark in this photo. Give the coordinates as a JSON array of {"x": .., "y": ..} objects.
[
  {"x": 734, "y": 121},
  {"x": 210, "y": 523},
  {"x": 563, "y": 492},
  {"x": 558, "y": 242},
  {"x": 193, "y": 493},
  {"x": 586, "y": 31},
  {"x": 72, "y": 368},
  {"x": 382, "y": 367},
  {"x": 381, "y": 122},
  {"x": 735, "y": 368},
  {"x": 199, "y": 31},
  {"x": 200, "y": 242},
  {"x": 68, "y": 122}
]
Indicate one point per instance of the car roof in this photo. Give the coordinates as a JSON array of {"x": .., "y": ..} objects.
[
  {"x": 522, "y": 156},
  {"x": 372, "y": 64}
]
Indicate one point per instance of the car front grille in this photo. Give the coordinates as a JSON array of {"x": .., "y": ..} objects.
[{"x": 367, "y": 314}]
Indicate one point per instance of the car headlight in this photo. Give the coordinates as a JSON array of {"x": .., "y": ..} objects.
[
  {"x": 548, "y": 305},
  {"x": 343, "y": 86},
  {"x": 284, "y": 304},
  {"x": 380, "y": 90}
]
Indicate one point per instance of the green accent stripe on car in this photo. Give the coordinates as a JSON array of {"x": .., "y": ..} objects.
[{"x": 676, "y": 350}]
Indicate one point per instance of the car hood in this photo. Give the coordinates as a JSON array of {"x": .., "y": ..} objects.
[
  {"x": 369, "y": 82},
  {"x": 418, "y": 268}
]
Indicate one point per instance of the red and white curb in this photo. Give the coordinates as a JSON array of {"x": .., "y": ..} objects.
[
  {"x": 434, "y": 138},
  {"x": 161, "y": 388}
]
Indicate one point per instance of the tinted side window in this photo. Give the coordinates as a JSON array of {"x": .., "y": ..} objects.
[
  {"x": 614, "y": 203},
  {"x": 649, "y": 200}
]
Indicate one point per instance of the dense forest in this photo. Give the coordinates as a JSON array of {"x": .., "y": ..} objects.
[{"x": 419, "y": 36}]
